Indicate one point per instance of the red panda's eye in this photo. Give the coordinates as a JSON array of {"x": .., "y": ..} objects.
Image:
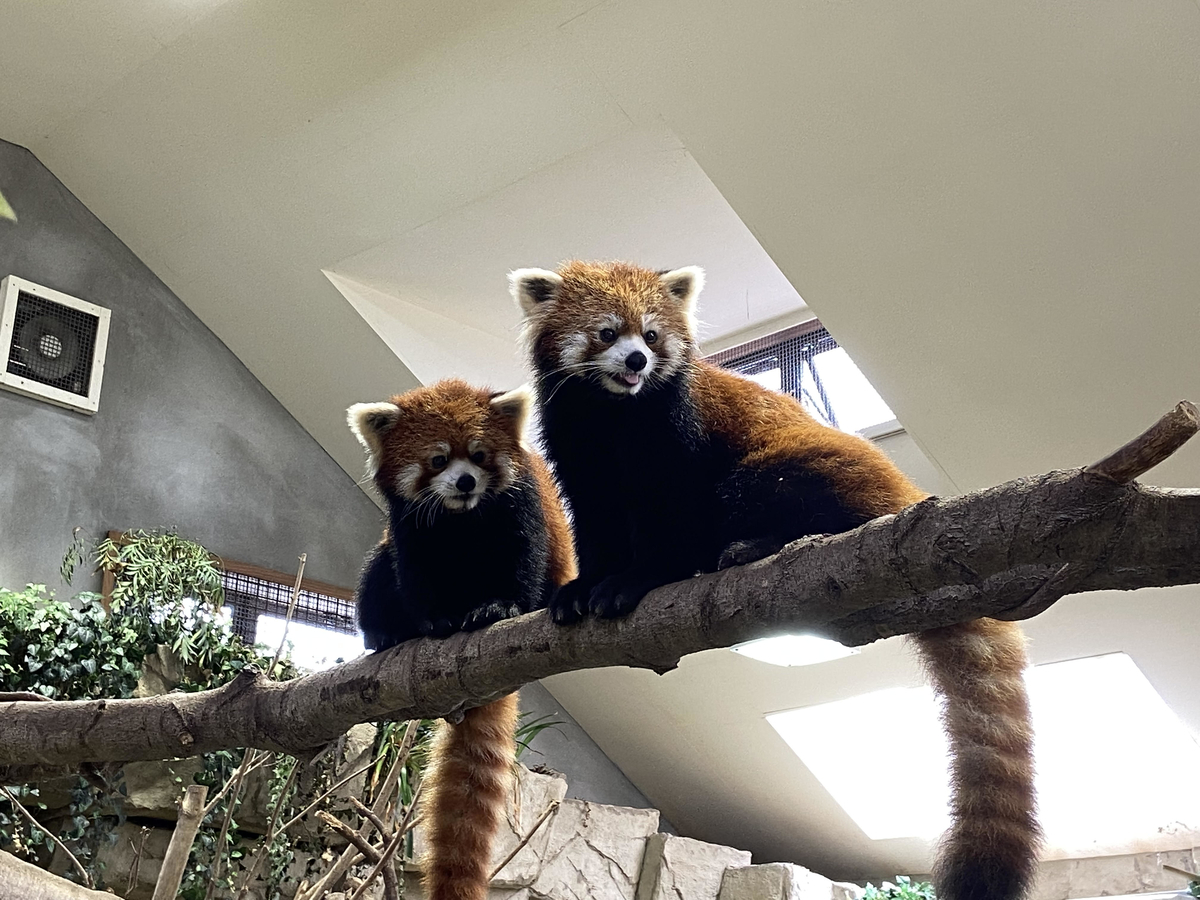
[
  {"x": 478, "y": 457},
  {"x": 651, "y": 337},
  {"x": 438, "y": 462},
  {"x": 607, "y": 335}
]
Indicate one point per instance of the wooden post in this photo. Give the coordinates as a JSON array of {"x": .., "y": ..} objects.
[{"x": 191, "y": 811}]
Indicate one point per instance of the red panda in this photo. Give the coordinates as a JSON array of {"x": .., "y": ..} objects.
[
  {"x": 476, "y": 533},
  {"x": 672, "y": 466}
]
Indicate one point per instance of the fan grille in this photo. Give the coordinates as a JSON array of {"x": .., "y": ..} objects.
[{"x": 52, "y": 344}]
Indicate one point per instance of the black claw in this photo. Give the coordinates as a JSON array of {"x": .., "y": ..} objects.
[
  {"x": 489, "y": 614},
  {"x": 569, "y": 603},
  {"x": 616, "y": 597},
  {"x": 739, "y": 553}
]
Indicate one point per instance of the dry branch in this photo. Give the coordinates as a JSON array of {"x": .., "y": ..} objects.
[
  {"x": 1150, "y": 447},
  {"x": 553, "y": 805},
  {"x": 20, "y": 807},
  {"x": 191, "y": 812},
  {"x": 1007, "y": 551},
  {"x": 390, "y": 784}
]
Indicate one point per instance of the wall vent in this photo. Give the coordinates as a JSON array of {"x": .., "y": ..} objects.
[{"x": 51, "y": 345}]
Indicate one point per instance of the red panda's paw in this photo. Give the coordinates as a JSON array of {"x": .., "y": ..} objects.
[
  {"x": 490, "y": 613},
  {"x": 379, "y": 641},
  {"x": 570, "y": 602},
  {"x": 438, "y": 628},
  {"x": 618, "y": 595},
  {"x": 739, "y": 553}
]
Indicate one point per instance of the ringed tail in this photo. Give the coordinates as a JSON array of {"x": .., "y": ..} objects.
[
  {"x": 990, "y": 851},
  {"x": 470, "y": 776}
]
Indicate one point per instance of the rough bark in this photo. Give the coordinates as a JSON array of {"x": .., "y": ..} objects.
[
  {"x": 19, "y": 879},
  {"x": 1009, "y": 551}
]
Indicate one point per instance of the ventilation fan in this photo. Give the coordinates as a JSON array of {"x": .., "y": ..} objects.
[{"x": 51, "y": 345}]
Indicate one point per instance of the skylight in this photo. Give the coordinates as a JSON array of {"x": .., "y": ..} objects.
[
  {"x": 794, "y": 650},
  {"x": 1115, "y": 766}
]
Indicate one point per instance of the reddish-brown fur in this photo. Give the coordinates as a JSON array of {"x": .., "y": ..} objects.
[
  {"x": 978, "y": 666},
  {"x": 764, "y": 427},
  {"x": 471, "y": 763},
  {"x": 451, "y": 411},
  {"x": 990, "y": 851},
  {"x": 468, "y": 784}
]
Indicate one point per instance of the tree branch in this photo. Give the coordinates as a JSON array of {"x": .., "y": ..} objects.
[
  {"x": 1152, "y": 446},
  {"x": 1009, "y": 551},
  {"x": 20, "y": 807},
  {"x": 25, "y": 880}
]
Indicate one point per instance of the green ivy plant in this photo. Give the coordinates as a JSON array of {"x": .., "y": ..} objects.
[
  {"x": 66, "y": 652},
  {"x": 167, "y": 591},
  {"x": 903, "y": 889}
]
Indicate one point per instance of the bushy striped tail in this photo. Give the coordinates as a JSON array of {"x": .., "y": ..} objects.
[
  {"x": 469, "y": 778},
  {"x": 990, "y": 851}
]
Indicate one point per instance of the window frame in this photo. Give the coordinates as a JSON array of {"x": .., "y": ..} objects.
[{"x": 744, "y": 357}]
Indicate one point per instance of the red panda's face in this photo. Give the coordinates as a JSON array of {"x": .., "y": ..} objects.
[
  {"x": 443, "y": 447},
  {"x": 614, "y": 325}
]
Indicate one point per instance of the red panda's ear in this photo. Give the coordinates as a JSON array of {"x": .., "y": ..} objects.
[
  {"x": 513, "y": 407},
  {"x": 370, "y": 422},
  {"x": 684, "y": 285},
  {"x": 533, "y": 288}
]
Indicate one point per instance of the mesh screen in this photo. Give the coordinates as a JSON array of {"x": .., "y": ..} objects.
[
  {"x": 52, "y": 344},
  {"x": 784, "y": 361},
  {"x": 250, "y": 597}
]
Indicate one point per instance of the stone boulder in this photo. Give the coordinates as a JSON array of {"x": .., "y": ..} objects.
[
  {"x": 594, "y": 852},
  {"x": 679, "y": 868},
  {"x": 532, "y": 794},
  {"x": 783, "y": 881}
]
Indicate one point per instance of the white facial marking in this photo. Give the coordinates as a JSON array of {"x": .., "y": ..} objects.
[
  {"x": 445, "y": 485},
  {"x": 504, "y": 464},
  {"x": 573, "y": 349},
  {"x": 617, "y": 376},
  {"x": 406, "y": 480},
  {"x": 613, "y": 321}
]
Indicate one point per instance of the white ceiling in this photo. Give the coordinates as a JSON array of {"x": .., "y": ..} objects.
[
  {"x": 638, "y": 195},
  {"x": 994, "y": 207}
]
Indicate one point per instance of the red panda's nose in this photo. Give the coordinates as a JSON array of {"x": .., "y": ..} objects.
[
  {"x": 635, "y": 361},
  {"x": 465, "y": 483}
]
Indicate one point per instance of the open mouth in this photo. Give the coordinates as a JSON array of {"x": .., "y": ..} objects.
[{"x": 627, "y": 379}]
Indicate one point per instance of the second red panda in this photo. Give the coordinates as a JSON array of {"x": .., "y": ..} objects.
[
  {"x": 673, "y": 466},
  {"x": 476, "y": 533}
]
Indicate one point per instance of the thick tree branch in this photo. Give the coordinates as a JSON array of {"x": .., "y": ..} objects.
[
  {"x": 1009, "y": 551},
  {"x": 19, "y": 879}
]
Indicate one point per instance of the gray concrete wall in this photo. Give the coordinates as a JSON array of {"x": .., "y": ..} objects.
[
  {"x": 568, "y": 749},
  {"x": 185, "y": 436}
]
